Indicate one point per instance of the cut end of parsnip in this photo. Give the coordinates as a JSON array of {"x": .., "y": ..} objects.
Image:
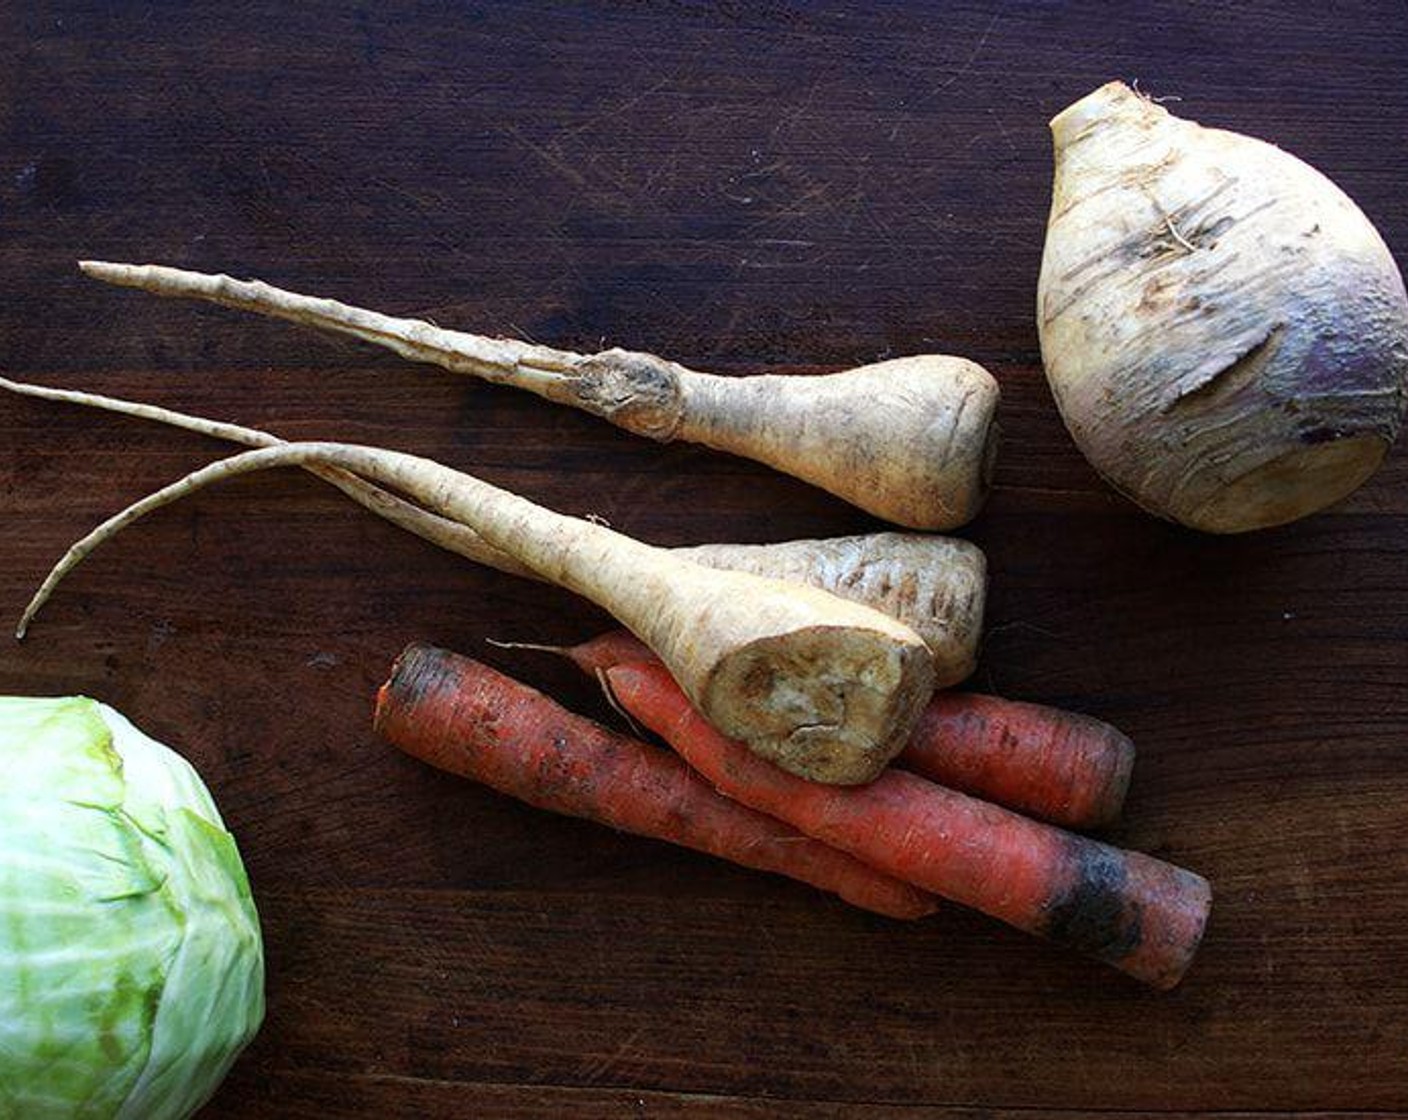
[{"x": 830, "y": 704}]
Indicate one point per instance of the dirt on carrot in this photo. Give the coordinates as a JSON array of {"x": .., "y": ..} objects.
[
  {"x": 1139, "y": 914},
  {"x": 464, "y": 717},
  {"x": 1069, "y": 769}
]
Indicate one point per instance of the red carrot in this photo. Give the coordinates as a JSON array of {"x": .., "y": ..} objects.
[
  {"x": 1070, "y": 769},
  {"x": 1063, "y": 767},
  {"x": 1137, "y": 913},
  {"x": 464, "y": 717},
  {"x": 596, "y": 655}
]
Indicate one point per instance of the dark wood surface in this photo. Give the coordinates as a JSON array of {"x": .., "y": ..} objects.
[{"x": 741, "y": 187}]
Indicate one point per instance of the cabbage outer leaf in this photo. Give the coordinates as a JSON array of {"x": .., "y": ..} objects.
[{"x": 131, "y": 966}]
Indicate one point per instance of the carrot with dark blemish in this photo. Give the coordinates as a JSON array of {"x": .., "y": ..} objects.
[
  {"x": 1140, "y": 914},
  {"x": 1063, "y": 767},
  {"x": 463, "y": 717}
]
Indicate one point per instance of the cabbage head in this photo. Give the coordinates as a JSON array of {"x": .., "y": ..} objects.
[{"x": 131, "y": 965}]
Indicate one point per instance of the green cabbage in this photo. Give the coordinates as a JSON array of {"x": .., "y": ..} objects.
[{"x": 131, "y": 965}]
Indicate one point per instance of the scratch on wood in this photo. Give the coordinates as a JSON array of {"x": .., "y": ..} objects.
[
  {"x": 600, "y": 1066},
  {"x": 968, "y": 62},
  {"x": 556, "y": 162}
]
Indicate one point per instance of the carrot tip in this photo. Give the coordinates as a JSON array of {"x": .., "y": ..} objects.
[{"x": 1108, "y": 804}]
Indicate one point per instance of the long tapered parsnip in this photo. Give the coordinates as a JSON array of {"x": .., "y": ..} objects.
[
  {"x": 933, "y": 584},
  {"x": 911, "y": 440},
  {"x": 826, "y": 688}
]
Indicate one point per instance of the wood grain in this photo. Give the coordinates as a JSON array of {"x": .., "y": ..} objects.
[{"x": 741, "y": 187}]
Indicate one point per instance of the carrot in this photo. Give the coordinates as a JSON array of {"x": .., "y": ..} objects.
[
  {"x": 1062, "y": 767},
  {"x": 596, "y": 655},
  {"x": 826, "y": 687},
  {"x": 935, "y": 585},
  {"x": 1137, "y": 913},
  {"x": 463, "y": 717},
  {"x": 911, "y": 440}
]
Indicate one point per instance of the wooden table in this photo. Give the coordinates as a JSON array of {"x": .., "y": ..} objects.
[{"x": 741, "y": 187}]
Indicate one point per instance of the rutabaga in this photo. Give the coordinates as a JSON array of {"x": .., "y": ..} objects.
[
  {"x": 131, "y": 965},
  {"x": 1225, "y": 333}
]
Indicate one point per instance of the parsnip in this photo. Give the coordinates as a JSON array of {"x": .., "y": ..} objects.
[
  {"x": 911, "y": 439},
  {"x": 935, "y": 585},
  {"x": 1225, "y": 332},
  {"x": 826, "y": 688}
]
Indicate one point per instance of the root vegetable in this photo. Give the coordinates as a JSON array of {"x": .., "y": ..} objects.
[
  {"x": 596, "y": 655},
  {"x": 935, "y": 585},
  {"x": 1062, "y": 767},
  {"x": 1142, "y": 915},
  {"x": 1225, "y": 332},
  {"x": 827, "y": 688},
  {"x": 464, "y": 717},
  {"x": 910, "y": 440}
]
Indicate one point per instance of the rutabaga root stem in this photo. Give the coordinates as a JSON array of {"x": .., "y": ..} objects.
[
  {"x": 911, "y": 439},
  {"x": 827, "y": 688}
]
